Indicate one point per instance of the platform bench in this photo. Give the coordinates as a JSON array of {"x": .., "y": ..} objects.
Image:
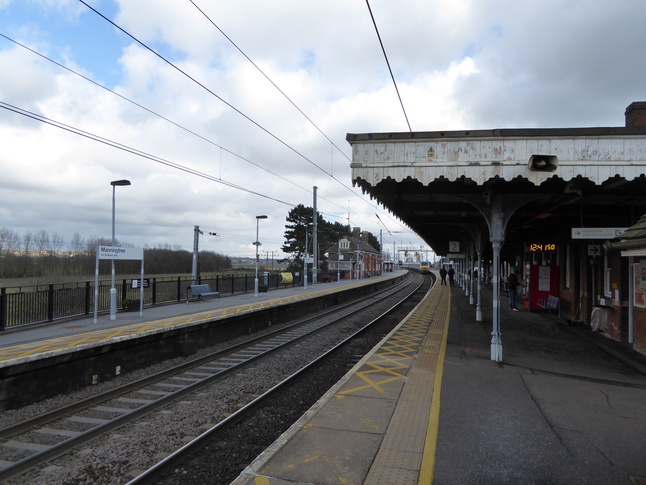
[
  {"x": 550, "y": 303},
  {"x": 202, "y": 292}
]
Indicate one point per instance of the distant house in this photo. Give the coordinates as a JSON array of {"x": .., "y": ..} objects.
[{"x": 353, "y": 256}]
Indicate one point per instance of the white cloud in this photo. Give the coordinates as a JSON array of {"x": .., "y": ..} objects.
[{"x": 459, "y": 65}]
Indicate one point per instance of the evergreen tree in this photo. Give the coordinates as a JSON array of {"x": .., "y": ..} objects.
[{"x": 299, "y": 219}]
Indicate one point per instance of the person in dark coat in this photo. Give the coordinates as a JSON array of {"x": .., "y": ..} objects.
[
  {"x": 443, "y": 276},
  {"x": 451, "y": 275},
  {"x": 512, "y": 283}
]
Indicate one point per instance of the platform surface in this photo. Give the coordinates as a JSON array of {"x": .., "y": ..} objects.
[
  {"x": 27, "y": 343},
  {"x": 428, "y": 405}
]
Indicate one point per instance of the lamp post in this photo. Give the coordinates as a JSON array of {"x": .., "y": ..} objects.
[
  {"x": 257, "y": 244},
  {"x": 113, "y": 289},
  {"x": 338, "y": 261},
  {"x": 308, "y": 228}
]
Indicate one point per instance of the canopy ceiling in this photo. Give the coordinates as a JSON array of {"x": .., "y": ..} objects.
[{"x": 441, "y": 183}]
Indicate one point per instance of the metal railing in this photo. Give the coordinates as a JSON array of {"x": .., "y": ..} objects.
[{"x": 26, "y": 305}]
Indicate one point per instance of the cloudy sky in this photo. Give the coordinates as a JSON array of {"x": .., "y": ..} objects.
[{"x": 223, "y": 110}]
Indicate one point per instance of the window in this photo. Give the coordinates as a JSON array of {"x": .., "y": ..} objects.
[{"x": 606, "y": 277}]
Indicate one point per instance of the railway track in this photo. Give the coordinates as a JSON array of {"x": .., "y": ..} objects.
[
  {"x": 37, "y": 441},
  {"x": 179, "y": 466}
]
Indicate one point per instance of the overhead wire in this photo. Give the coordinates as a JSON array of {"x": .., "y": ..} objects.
[
  {"x": 208, "y": 90},
  {"x": 383, "y": 49},
  {"x": 171, "y": 64},
  {"x": 125, "y": 98},
  {"x": 184, "y": 73},
  {"x": 134, "y": 151},
  {"x": 159, "y": 159},
  {"x": 270, "y": 80},
  {"x": 279, "y": 89}
]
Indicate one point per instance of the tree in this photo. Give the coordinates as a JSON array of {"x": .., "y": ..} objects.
[
  {"x": 56, "y": 243},
  {"x": 27, "y": 238},
  {"x": 41, "y": 241},
  {"x": 77, "y": 243},
  {"x": 9, "y": 240},
  {"x": 299, "y": 219},
  {"x": 374, "y": 242}
]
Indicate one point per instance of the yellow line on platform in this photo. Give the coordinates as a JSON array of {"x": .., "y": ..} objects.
[
  {"x": 430, "y": 446},
  {"x": 70, "y": 341}
]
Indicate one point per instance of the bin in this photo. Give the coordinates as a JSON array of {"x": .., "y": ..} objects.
[
  {"x": 286, "y": 278},
  {"x": 599, "y": 319}
]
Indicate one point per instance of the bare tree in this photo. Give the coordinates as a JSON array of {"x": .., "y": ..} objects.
[
  {"x": 9, "y": 240},
  {"x": 77, "y": 243},
  {"x": 92, "y": 242},
  {"x": 41, "y": 241},
  {"x": 56, "y": 243},
  {"x": 27, "y": 238}
]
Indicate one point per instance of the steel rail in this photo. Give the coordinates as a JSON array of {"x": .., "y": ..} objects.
[
  {"x": 66, "y": 445},
  {"x": 152, "y": 475},
  {"x": 50, "y": 416}
]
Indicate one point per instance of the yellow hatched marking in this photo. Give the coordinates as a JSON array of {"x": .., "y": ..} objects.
[
  {"x": 376, "y": 385},
  {"x": 402, "y": 346}
]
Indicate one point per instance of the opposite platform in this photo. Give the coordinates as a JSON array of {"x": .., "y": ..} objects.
[{"x": 47, "y": 340}]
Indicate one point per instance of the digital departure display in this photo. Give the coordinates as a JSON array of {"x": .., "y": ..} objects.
[{"x": 537, "y": 247}]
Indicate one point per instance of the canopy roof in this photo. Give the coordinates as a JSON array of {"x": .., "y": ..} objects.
[{"x": 441, "y": 183}]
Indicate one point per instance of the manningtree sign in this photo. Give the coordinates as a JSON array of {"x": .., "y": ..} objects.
[{"x": 124, "y": 254}]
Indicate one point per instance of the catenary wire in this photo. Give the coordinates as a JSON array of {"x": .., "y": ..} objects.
[
  {"x": 221, "y": 99},
  {"x": 388, "y": 64},
  {"x": 133, "y": 151},
  {"x": 152, "y": 157},
  {"x": 86, "y": 78},
  {"x": 151, "y": 111},
  {"x": 270, "y": 81},
  {"x": 211, "y": 92}
]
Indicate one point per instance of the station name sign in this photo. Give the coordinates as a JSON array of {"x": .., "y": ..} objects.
[
  {"x": 126, "y": 254},
  {"x": 597, "y": 232}
]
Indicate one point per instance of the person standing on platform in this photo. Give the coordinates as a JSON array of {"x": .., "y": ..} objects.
[
  {"x": 451, "y": 275},
  {"x": 443, "y": 276},
  {"x": 512, "y": 284}
]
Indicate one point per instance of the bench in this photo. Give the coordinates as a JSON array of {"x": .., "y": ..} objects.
[
  {"x": 550, "y": 303},
  {"x": 201, "y": 291}
]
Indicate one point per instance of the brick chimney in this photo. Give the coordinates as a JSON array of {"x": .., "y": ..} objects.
[{"x": 636, "y": 114}]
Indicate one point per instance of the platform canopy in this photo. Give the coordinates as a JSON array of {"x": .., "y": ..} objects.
[{"x": 443, "y": 184}]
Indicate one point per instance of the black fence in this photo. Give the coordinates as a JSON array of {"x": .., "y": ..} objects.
[{"x": 25, "y": 305}]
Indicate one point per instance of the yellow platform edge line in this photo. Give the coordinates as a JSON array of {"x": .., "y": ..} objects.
[
  {"x": 430, "y": 445},
  {"x": 136, "y": 330},
  {"x": 129, "y": 331}
]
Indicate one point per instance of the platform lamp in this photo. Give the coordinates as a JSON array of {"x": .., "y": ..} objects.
[
  {"x": 113, "y": 289},
  {"x": 257, "y": 244}
]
